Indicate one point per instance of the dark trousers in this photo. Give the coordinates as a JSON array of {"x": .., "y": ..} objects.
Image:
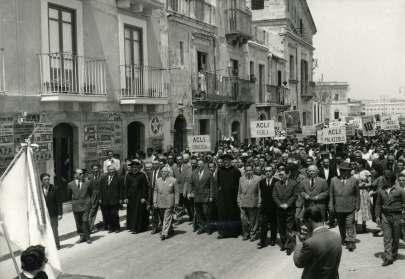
[
  {"x": 54, "y": 225},
  {"x": 155, "y": 219},
  {"x": 94, "y": 209},
  {"x": 201, "y": 213},
  {"x": 286, "y": 227},
  {"x": 112, "y": 219},
  {"x": 391, "y": 226},
  {"x": 188, "y": 204},
  {"x": 82, "y": 224},
  {"x": 346, "y": 225},
  {"x": 212, "y": 217},
  {"x": 267, "y": 218}
]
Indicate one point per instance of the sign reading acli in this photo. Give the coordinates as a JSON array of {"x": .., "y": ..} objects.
[
  {"x": 262, "y": 129},
  {"x": 199, "y": 143},
  {"x": 334, "y": 135}
]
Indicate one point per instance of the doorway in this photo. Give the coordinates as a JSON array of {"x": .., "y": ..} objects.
[
  {"x": 63, "y": 156},
  {"x": 136, "y": 138},
  {"x": 235, "y": 131},
  {"x": 180, "y": 140}
]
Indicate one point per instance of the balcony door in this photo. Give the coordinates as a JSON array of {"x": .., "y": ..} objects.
[
  {"x": 261, "y": 83},
  {"x": 62, "y": 49},
  {"x": 134, "y": 71}
]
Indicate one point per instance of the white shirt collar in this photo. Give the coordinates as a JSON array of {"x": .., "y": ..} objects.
[
  {"x": 319, "y": 228},
  {"x": 27, "y": 274}
]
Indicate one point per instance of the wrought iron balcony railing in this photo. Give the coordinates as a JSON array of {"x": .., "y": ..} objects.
[
  {"x": 70, "y": 74},
  {"x": 144, "y": 82},
  {"x": 238, "y": 26},
  {"x": 238, "y": 90},
  {"x": 202, "y": 10}
]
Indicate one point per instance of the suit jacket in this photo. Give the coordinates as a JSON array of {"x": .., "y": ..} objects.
[
  {"x": 53, "y": 200},
  {"x": 249, "y": 193},
  {"x": 332, "y": 173},
  {"x": 166, "y": 196},
  {"x": 318, "y": 193},
  {"x": 319, "y": 255},
  {"x": 266, "y": 194},
  {"x": 344, "y": 197},
  {"x": 80, "y": 197},
  {"x": 286, "y": 193},
  {"x": 184, "y": 179},
  {"x": 152, "y": 184},
  {"x": 113, "y": 193},
  {"x": 394, "y": 202},
  {"x": 202, "y": 187}
]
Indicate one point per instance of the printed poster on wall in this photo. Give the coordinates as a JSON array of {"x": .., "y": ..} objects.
[
  {"x": 390, "y": 122},
  {"x": 43, "y": 137},
  {"x": 6, "y": 145},
  {"x": 292, "y": 121}
]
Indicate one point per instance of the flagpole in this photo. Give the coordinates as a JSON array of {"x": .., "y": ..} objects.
[{"x": 9, "y": 248}]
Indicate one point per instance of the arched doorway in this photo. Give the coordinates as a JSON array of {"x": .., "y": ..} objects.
[
  {"x": 63, "y": 156},
  {"x": 180, "y": 140},
  {"x": 136, "y": 138},
  {"x": 235, "y": 131}
]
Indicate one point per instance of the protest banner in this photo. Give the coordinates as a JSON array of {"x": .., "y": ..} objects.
[
  {"x": 308, "y": 131},
  {"x": 319, "y": 137},
  {"x": 389, "y": 122},
  {"x": 350, "y": 130},
  {"x": 262, "y": 129},
  {"x": 279, "y": 131},
  {"x": 199, "y": 143},
  {"x": 334, "y": 135}
]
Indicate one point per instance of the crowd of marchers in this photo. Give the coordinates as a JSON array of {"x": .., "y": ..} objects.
[{"x": 260, "y": 191}]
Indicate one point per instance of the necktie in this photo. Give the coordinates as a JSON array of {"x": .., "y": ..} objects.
[
  {"x": 79, "y": 184},
  {"x": 312, "y": 183},
  {"x": 109, "y": 179},
  {"x": 268, "y": 182}
]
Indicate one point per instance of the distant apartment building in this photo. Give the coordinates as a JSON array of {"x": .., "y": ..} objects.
[{"x": 384, "y": 106}]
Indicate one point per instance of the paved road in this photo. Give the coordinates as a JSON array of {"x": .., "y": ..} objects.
[{"x": 123, "y": 255}]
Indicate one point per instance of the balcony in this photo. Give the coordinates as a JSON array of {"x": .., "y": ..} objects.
[
  {"x": 200, "y": 10},
  {"x": 238, "y": 91},
  {"x": 144, "y": 6},
  {"x": 2, "y": 73},
  {"x": 276, "y": 97},
  {"x": 66, "y": 77},
  {"x": 238, "y": 28},
  {"x": 308, "y": 90},
  {"x": 144, "y": 85},
  {"x": 205, "y": 94}
]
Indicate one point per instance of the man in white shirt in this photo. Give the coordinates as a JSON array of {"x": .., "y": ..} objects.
[{"x": 111, "y": 161}]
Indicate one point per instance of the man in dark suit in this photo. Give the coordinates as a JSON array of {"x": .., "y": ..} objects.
[
  {"x": 313, "y": 191},
  {"x": 53, "y": 200},
  {"x": 81, "y": 202},
  {"x": 320, "y": 252},
  {"x": 94, "y": 179},
  {"x": 111, "y": 196},
  {"x": 202, "y": 189},
  {"x": 344, "y": 201},
  {"x": 268, "y": 209},
  {"x": 285, "y": 195}
]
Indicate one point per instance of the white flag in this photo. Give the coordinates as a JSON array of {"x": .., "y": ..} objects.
[{"x": 23, "y": 209}]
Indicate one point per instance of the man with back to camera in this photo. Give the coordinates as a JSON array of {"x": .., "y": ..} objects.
[{"x": 320, "y": 251}]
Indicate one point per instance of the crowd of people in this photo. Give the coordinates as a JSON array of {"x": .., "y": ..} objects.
[{"x": 259, "y": 190}]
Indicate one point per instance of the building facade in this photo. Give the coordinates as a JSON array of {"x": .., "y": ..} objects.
[
  {"x": 384, "y": 106},
  {"x": 292, "y": 28}
]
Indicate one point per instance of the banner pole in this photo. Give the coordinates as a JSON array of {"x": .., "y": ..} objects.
[{"x": 9, "y": 248}]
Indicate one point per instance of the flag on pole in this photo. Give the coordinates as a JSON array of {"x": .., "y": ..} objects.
[{"x": 23, "y": 209}]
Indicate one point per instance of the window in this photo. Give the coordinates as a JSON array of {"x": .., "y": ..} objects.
[
  {"x": 199, "y": 9},
  {"x": 181, "y": 53},
  {"x": 252, "y": 69},
  {"x": 173, "y": 5},
  {"x": 133, "y": 45},
  {"x": 201, "y": 61},
  {"x": 304, "y": 118},
  {"x": 62, "y": 45},
  {"x": 336, "y": 97},
  {"x": 204, "y": 126},
  {"x": 257, "y": 4},
  {"x": 234, "y": 67},
  {"x": 279, "y": 78},
  {"x": 304, "y": 76},
  {"x": 292, "y": 68},
  {"x": 337, "y": 114}
]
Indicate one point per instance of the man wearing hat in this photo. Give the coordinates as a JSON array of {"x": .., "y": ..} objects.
[
  {"x": 137, "y": 195},
  {"x": 344, "y": 200}
]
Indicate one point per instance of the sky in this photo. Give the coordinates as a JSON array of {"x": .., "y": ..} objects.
[{"x": 361, "y": 42}]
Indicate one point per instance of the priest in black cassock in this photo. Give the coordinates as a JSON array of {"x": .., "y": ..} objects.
[
  {"x": 137, "y": 194},
  {"x": 229, "y": 224}
]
